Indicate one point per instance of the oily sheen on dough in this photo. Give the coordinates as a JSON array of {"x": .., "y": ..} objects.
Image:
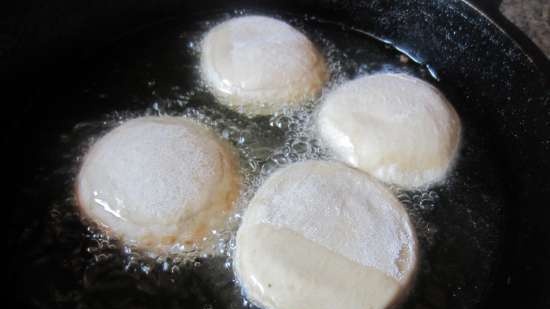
[
  {"x": 398, "y": 128},
  {"x": 159, "y": 182},
  {"x": 259, "y": 65},
  {"x": 322, "y": 235}
]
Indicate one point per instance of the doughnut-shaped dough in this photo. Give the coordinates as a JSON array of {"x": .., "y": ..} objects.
[
  {"x": 259, "y": 65},
  {"x": 159, "y": 182},
  {"x": 323, "y": 235},
  {"x": 398, "y": 128}
]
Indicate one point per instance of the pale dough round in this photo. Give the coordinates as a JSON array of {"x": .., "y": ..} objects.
[
  {"x": 159, "y": 182},
  {"x": 259, "y": 65},
  {"x": 322, "y": 235},
  {"x": 398, "y": 128}
]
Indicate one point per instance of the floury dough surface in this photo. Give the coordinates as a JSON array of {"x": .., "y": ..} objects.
[
  {"x": 319, "y": 234},
  {"x": 396, "y": 127},
  {"x": 259, "y": 65},
  {"x": 159, "y": 182}
]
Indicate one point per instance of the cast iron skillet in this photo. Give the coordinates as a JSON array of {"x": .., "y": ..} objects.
[{"x": 502, "y": 78}]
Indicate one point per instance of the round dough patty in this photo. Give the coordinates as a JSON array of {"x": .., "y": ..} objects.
[
  {"x": 259, "y": 65},
  {"x": 159, "y": 182},
  {"x": 323, "y": 235},
  {"x": 396, "y": 127}
]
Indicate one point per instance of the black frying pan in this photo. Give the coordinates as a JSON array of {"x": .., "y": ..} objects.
[{"x": 496, "y": 78}]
